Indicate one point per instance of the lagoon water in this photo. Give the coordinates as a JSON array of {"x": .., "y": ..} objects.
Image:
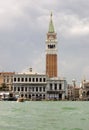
[{"x": 44, "y": 115}]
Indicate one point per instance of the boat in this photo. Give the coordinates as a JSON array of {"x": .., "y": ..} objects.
[
  {"x": 20, "y": 99},
  {"x": 7, "y": 96}
]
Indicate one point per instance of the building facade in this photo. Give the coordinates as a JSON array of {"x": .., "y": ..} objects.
[
  {"x": 30, "y": 85},
  {"x": 70, "y": 92},
  {"x": 56, "y": 88},
  {"x": 51, "y": 51},
  {"x": 34, "y": 86},
  {"x": 7, "y": 79},
  {"x": 84, "y": 90},
  {"x": 76, "y": 93}
]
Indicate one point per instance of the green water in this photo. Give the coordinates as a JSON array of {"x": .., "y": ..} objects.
[{"x": 44, "y": 115}]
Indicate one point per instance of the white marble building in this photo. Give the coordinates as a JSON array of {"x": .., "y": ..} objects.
[
  {"x": 30, "y": 85},
  {"x": 56, "y": 88},
  {"x": 35, "y": 86}
]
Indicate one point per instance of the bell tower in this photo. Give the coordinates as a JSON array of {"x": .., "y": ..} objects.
[{"x": 51, "y": 51}]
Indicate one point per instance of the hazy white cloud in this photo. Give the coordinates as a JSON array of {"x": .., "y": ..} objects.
[
  {"x": 80, "y": 28},
  {"x": 72, "y": 25}
]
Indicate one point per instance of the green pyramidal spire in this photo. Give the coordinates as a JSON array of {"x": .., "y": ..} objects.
[{"x": 51, "y": 27}]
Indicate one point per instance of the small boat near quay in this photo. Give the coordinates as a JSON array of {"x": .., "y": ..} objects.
[
  {"x": 20, "y": 99},
  {"x": 7, "y": 96}
]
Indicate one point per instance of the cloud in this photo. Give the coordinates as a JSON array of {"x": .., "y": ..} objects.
[
  {"x": 77, "y": 7},
  {"x": 72, "y": 25},
  {"x": 80, "y": 28}
]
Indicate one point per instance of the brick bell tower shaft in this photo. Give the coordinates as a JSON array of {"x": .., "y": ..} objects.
[{"x": 51, "y": 51}]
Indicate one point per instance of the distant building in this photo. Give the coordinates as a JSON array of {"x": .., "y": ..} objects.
[
  {"x": 76, "y": 93},
  {"x": 1, "y": 79},
  {"x": 30, "y": 85},
  {"x": 84, "y": 91},
  {"x": 7, "y": 79},
  {"x": 70, "y": 92},
  {"x": 56, "y": 88}
]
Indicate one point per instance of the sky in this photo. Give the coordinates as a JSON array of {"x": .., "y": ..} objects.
[{"x": 23, "y": 28}]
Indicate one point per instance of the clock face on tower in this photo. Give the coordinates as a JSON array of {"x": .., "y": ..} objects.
[{"x": 51, "y": 37}]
